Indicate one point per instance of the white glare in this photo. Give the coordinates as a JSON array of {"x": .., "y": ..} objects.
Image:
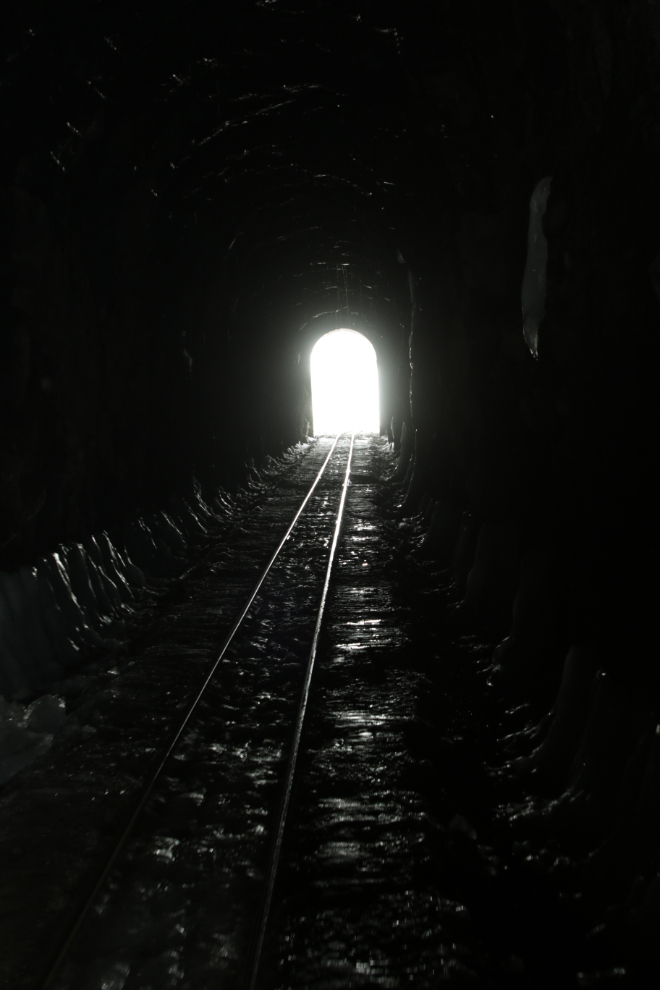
[{"x": 344, "y": 384}]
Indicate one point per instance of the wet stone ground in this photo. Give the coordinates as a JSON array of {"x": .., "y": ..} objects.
[{"x": 393, "y": 873}]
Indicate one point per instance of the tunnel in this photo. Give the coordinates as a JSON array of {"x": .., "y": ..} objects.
[{"x": 196, "y": 197}]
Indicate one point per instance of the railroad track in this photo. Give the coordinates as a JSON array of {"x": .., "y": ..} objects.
[
  {"x": 60, "y": 968},
  {"x": 354, "y": 849},
  {"x": 328, "y": 832},
  {"x": 272, "y": 852}
]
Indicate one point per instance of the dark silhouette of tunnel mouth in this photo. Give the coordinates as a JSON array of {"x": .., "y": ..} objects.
[{"x": 192, "y": 196}]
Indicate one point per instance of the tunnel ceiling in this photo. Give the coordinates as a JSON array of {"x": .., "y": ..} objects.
[{"x": 301, "y": 140}]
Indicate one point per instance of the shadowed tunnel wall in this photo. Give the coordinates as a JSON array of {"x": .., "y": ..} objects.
[{"x": 192, "y": 195}]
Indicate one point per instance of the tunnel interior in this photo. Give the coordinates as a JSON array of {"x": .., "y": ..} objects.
[
  {"x": 182, "y": 226},
  {"x": 195, "y": 194}
]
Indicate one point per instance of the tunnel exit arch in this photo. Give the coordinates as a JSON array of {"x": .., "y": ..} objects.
[{"x": 344, "y": 374}]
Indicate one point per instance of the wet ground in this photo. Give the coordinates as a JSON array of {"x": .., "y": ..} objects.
[{"x": 394, "y": 873}]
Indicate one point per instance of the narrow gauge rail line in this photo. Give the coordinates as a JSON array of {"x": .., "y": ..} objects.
[
  {"x": 254, "y": 958},
  {"x": 82, "y": 909}
]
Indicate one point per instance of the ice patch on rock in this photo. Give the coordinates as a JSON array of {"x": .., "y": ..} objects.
[
  {"x": 82, "y": 597},
  {"x": 534, "y": 279},
  {"x": 27, "y": 732}
]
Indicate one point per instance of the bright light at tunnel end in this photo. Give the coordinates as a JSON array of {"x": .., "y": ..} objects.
[{"x": 344, "y": 384}]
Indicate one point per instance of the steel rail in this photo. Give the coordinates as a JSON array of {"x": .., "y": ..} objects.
[
  {"x": 60, "y": 950},
  {"x": 256, "y": 949}
]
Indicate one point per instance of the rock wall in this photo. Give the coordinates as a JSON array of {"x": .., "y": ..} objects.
[{"x": 560, "y": 443}]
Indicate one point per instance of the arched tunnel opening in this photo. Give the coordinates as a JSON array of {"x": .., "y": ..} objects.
[
  {"x": 195, "y": 200},
  {"x": 344, "y": 380}
]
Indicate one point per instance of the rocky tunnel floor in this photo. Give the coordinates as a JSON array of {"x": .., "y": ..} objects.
[{"x": 396, "y": 869}]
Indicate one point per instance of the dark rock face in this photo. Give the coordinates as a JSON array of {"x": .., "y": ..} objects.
[{"x": 192, "y": 195}]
